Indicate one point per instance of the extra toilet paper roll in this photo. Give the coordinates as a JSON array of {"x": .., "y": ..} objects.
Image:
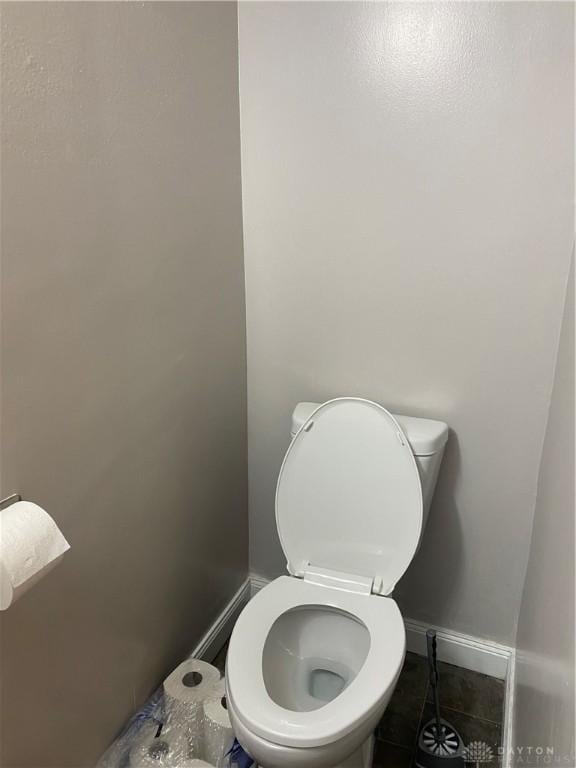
[
  {"x": 196, "y": 763},
  {"x": 185, "y": 690},
  {"x": 218, "y": 735},
  {"x": 31, "y": 544},
  {"x": 168, "y": 750},
  {"x": 220, "y": 688}
]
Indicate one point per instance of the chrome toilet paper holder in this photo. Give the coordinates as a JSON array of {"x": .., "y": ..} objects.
[{"x": 12, "y": 499}]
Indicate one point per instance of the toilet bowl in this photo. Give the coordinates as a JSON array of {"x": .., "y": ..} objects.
[
  {"x": 314, "y": 657},
  {"x": 310, "y": 670}
]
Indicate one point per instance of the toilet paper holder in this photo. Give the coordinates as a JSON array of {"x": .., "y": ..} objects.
[{"x": 12, "y": 499}]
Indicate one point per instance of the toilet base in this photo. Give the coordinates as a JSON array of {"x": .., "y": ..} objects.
[{"x": 362, "y": 758}]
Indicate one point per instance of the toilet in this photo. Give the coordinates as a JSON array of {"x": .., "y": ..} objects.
[{"x": 315, "y": 656}]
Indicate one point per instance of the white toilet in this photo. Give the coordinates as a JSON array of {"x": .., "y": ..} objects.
[{"x": 314, "y": 657}]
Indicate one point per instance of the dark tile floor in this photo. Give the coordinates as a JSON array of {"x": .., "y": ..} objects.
[{"x": 471, "y": 702}]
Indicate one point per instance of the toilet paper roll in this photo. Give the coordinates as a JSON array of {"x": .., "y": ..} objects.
[
  {"x": 220, "y": 688},
  {"x": 218, "y": 735},
  {"x": 168, "y": 750},
  {"x": 185, "y": 690},
  {"x": 31, "y": 544},
  {"x": 196, "y": 763}
]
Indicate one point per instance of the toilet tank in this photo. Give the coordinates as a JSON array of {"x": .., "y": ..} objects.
[{"x": 427, "y": 439}]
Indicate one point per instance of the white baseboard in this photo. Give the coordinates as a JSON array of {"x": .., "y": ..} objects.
[
  {"x": 462, "y": 650},
  {"x": 257, "y": 583},
  {"x": 453, "y": 647},
  {"x": 509, "y": 700},
  {"x": 221, "y": 629}
]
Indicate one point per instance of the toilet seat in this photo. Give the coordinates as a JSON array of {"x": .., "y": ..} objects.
[
  {"x": 349, "y": 498},
  {"x": 246, "y": 687}
]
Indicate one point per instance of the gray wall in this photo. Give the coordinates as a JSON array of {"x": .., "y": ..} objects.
[
  {"x": 544, "y": 711},
  {"x": 408, "y": 218},
  {"x": 124, "y": 354}
]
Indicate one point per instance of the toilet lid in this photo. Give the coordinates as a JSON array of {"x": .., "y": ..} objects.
[{"x": 349, "y": 497}]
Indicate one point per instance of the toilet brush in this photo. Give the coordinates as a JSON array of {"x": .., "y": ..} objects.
[{"x": 439, "y": 743}]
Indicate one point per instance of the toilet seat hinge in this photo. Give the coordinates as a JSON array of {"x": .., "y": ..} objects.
[{"x": 348, "y": 582}]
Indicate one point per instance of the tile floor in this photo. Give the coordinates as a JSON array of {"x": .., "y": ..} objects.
[{"x": 472, "y": 702}]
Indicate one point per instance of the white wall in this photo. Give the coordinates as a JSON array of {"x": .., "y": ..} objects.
[
  {"x": 407, "y": 192},
  {"x": 544, "y": 711}
]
